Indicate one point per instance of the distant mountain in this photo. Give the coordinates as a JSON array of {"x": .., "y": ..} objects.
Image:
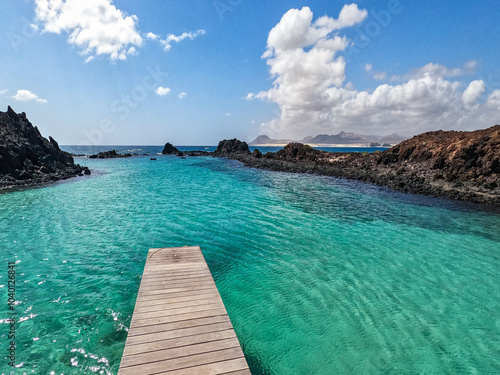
[
  {"x": 343, "y": 138},
  {"x": 265, "y": 140},
  {"x": 393, "y": 139},
  {"x": 337, "y": 139}
]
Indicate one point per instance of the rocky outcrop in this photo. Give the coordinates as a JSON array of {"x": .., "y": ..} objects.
[
  {"x": 465, "y": 156},
  {"x": 456, "y": 165},
  {"x": 27, "y": 158},
  {"x": 231, "y": 147},
  {"x": 112, "y": 154},
  {"x": 169, "y": 149}
]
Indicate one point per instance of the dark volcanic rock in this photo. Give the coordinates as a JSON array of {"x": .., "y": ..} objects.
[
  {"x": 298, "y": 151},
  {"x": 197, "y": 153},
  {"x": 169, "y": 149},
  {"x": 231, "y": 147},
  {"x": 27, "y": 158},
  {"x": 257, "y": 154},
  {"x": 112, "y": 154},
  {"x": 463, "y": 155}
]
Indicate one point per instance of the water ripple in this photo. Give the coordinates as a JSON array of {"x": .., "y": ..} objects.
[{"x": 318, "y": 275}]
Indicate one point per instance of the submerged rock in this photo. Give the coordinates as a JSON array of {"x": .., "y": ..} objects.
[{"x": 27, "y": 158}]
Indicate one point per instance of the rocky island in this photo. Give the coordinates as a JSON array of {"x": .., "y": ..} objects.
[
  {"x": 27, "y": 158},
  {"x": 452, "y": 164},
  {"x": 111, "y": 154}
]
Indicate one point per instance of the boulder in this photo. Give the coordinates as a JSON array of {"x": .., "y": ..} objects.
[{"x": 229, "y": 147}]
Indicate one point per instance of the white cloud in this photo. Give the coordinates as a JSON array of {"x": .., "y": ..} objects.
[
  {"x": 182, "y": 95},
  {"x": 437, "y": 70},
  {"x": 3, "y": 92},
  {"x": 295, "y": 30},
  {"x": 494, "y": 99},
  {"x": 379, "y": 76},
  {"x": 151, "y": 36},
  {"x": 473, "y": 92},
  {"x": 166, "y": 43},
  {"x": 162, "y": 91},
  {"x": 350, "y": 15},
  {"x": 97, "y": 27},
  {"x": 26, "y": 96},
  {"x": 310, "y": 90}
]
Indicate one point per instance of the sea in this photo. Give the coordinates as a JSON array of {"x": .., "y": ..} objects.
[{"x": 319, "y": 275}]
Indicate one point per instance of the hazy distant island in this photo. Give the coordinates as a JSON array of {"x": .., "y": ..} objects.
[
  {"x": 27, "y": 158},
  {"x": 341, "y": 139}
]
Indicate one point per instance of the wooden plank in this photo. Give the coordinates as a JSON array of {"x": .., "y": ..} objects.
[
  {"x": 178, "y": 342},
  {"x": 180, "y": 324},
  {"x": 213, "y": 368},
  {"x": 177, "y": 318},
  {"x": 171, "y": 326},
  {"x": 170, "y": 334},
  {"x": 162, "y": 306},
  {"x": 183, "y": 351},
  {"x": 183, "y": 362}
]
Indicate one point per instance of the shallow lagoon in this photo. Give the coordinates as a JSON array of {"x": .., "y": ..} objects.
[{"x": 318, "y": 275}]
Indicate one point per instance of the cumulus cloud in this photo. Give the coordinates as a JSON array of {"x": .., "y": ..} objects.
[
  {"x": 304, "y": 57},
  {"x": 3, "y": 92},
  {"x": 162, "y": 91},
  {"x": 167, "y": 42},
  {"x": 182, "y": 95},
  {"x": 151, "y": 36},
  {"x": 96, "y": 27},
  {"x": 26, "y": 96},
  {"x": 296, "y": 30},
  {"x": 473, "y": 92}
]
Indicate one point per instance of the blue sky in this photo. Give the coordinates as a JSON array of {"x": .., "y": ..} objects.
[{"x": 128, "y": 72}]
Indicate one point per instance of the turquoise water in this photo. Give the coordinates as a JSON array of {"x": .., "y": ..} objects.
[{"x": 319, "y": 275}]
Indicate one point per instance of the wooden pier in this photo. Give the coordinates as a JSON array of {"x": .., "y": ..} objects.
[{"x": 180, "y": 324}]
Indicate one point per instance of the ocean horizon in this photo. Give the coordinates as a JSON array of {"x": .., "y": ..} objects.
[
  {"x": 156, "y": 150},
  {"x": 319, "y": 275}
]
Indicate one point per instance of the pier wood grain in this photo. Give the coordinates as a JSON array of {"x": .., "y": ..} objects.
[{"x": 180, "y": 324}]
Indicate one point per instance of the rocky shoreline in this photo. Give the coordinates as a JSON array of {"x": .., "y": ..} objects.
[
  {"x": 456, "y": 165},
  {"x": 28, "y": 159}
]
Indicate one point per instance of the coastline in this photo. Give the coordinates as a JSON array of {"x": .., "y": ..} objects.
[{"x": 456, "y": 165}]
